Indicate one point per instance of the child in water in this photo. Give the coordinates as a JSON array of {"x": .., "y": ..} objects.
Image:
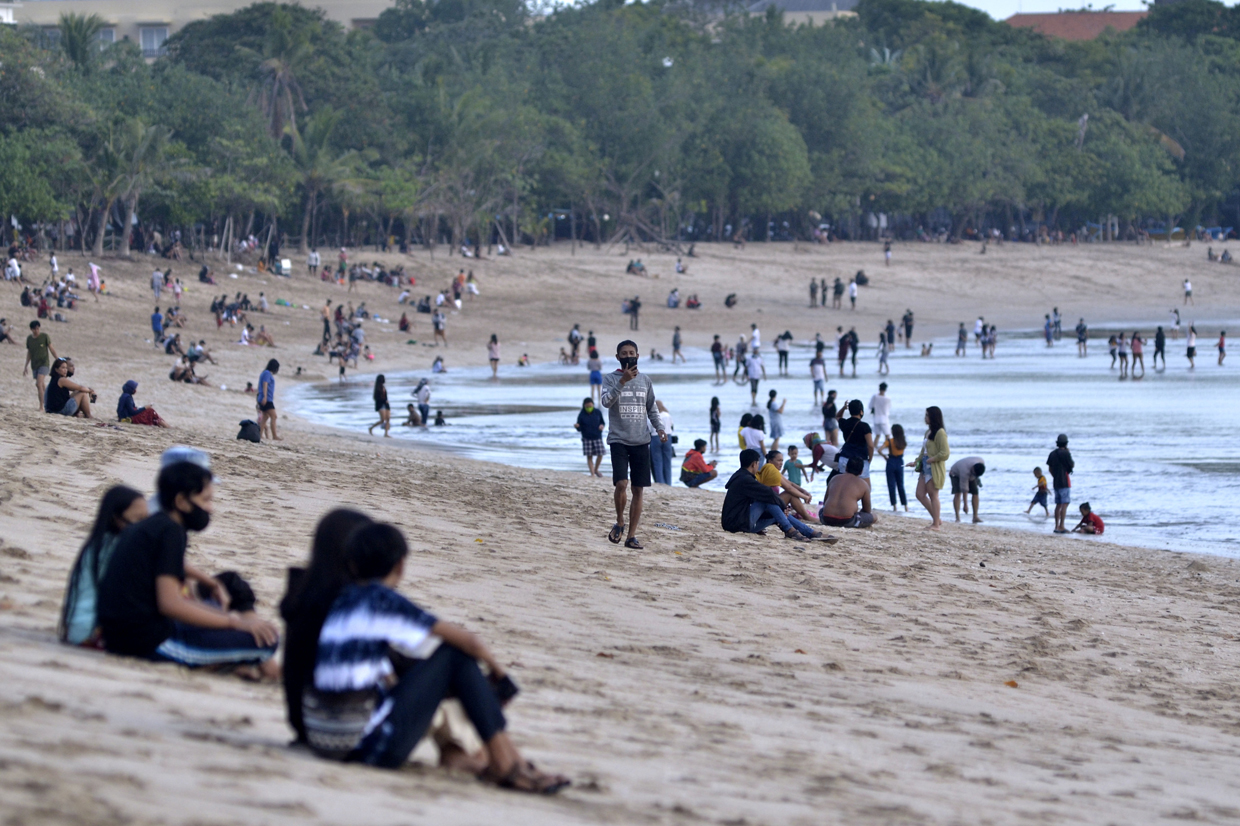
[{"x": 1039, "y": 498}]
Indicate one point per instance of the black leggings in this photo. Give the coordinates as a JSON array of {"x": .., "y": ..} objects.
[{"x": 449, "y": 672}]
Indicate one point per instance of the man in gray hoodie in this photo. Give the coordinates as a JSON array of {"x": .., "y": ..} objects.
[{"x": 628, "y": 397}]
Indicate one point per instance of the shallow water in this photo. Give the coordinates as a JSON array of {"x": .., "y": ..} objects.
[{"x": 1154, "y": 457}]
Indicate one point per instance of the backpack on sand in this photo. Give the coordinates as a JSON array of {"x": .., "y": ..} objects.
[{"x": 250, "y": 431}]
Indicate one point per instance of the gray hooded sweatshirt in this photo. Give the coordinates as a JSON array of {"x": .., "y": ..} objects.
[{"x": 631, "y": 412}]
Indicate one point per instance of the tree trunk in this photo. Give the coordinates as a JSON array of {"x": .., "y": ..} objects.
[
  {"x": 131, "y": 207},
  {"x": 305, "y": 223},
  {"x": 572, "y": 230},
  {"x": 97, "y": 250}
]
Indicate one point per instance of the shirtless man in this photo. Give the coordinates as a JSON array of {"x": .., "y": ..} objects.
[
  {"x": 843, "y": 494},
  {"x": 326, "y": 313}
]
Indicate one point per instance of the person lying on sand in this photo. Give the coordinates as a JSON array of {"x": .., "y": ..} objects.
[
  {"x": 383, "y": 666},
  {"x": 844, "y": 491},
  {"x": 143, "y": 610},
  {"x": 751, "y": 507}
]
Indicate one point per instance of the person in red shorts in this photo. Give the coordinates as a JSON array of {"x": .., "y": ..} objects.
[{"x": 1090, "y": 523}]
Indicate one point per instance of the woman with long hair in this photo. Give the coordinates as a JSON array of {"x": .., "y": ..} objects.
[
  {"x": 119, "y": 508},
  {"x": 931, "y": 465},
  {"x": 716, "y": 422},
  {"x": 892, "y": 449},
  {"x": 381, "y": 407},
  {"x": 311, "y": 592},
  {"x": 493, "y": 355}
]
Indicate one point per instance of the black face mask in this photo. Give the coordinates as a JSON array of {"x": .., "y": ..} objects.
[
  {"x": 197, "y": 519},
  {"x": 627, "y": 362}
]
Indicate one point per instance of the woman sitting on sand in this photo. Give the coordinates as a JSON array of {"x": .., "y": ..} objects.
[
  {"x": 127, "y": 409},
  {"x": 65, "y": 396},
  {"x": 79, "y": 622}
]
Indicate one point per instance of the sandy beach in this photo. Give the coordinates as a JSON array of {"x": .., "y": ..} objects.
[{"x": 976, "y": 675}]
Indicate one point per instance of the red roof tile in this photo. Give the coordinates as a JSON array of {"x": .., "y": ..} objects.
[{"x": 1077, "y": 25}]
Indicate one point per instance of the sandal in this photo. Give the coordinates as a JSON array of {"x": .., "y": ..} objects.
[
  {"x": 632, "y": 542},
  {"x": 616, "y": 534},
  {"x": 523, "y": 777}
]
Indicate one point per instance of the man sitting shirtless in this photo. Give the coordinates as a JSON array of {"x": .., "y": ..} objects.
[{"x": 843, "y": 493}]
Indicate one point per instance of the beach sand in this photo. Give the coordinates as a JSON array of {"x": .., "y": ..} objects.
[{"x": 971, "y": 676}]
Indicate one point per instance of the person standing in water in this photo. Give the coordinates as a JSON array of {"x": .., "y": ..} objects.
[
  {"x": 1191, "y": 342},
  {"x": 908, "y": 328},
  {"x": 892, "y": 450},
  {"x": 716, "y": 423},
  {"x": 595, "y": 365},
  {"x": 1138, "y": 357},
  {"x": 493, "y": 355},
  {"x": 1222, "y": 347},
  {"x": 962, "y": 340},
  {"x": 880, "y": 409},
  {"x": 818, "y": 373},
  {"x": 1188, "y": 292},
  {"x": 1160, "y": 347},
  {"x": 1060, "y": 464},
  {"x": 1122, "y": 345},
  {"x": 382, "y": 407},
  {"x": 755, "y": 370},
  {"x": 590, "y": 425},
  {"x": 628, "y": 396},
  {"x": 775, "y": 415},
  {"x": 676, "y": 354},
  {"x": 1082, "y": 338}
]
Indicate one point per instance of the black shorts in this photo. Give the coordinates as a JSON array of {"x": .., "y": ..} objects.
[
  {"x": 956, "y": 485},
  {"x": 753, "y": 385},
  {"x": 631, "y": 460},
  {"x": 380, "y": 406},
  {"x": 267, "y": 407}
]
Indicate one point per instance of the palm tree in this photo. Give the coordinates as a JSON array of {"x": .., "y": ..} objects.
[
  {"x": 79, "y": 34},
  {"x": 318, "y": 165},
  {"x": 144, "y": 157},
  {"x": 277, "y": 92}
]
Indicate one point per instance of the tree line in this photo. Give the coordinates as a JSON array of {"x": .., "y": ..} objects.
[{"x": 670, "y": 121}]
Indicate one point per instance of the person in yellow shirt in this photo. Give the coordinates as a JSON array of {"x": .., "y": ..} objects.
[{"x": 788, "y": 492}]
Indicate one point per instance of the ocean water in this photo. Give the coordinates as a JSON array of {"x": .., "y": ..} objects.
[{"x": 1154, "y": 457}]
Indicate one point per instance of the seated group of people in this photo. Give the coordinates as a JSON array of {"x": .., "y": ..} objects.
[
  {"x": 635, "y": 267},
  {"x": 368, "y": 675}
]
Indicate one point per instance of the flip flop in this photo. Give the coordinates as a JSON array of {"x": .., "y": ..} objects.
[
  {"x": 632, "y": 542},
  {"x": 616, "y": 534}
]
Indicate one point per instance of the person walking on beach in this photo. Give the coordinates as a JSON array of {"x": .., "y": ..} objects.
[
  {"x": 676, "y": 354},
  {"x": 781, "y": 349},
  {"x": 852, "y": 294},
  {"x": 574, "y": 341},
  {"x": 837, "y": 294},
  {"x": 635, "y": 306},
  {"x": 1138, "y": 357},
  {"x": 1113, "y": 345},
  {"x": 493, "y": 355},
  {"x": 1060, "y": 464},
  {"x": 1160, "y": 347},
  {"x": 595, "y": 365},
  {"x": 741, "y": 349},
  {"x": 931, "y": 466},
  {"x": 822, "y": 292},
  {"x": 887, "y": 253},
  {"x": 841, "y": 348},
  {"x": 1188, "y": 292},
  {"x": 813, "y": 292},
  {"x": 1121, "y": 345},
  {"x": 716, "y": 423},
  {"x": 830, "y": 419},
  {"x": 908, "y": 328},
  {"x": 892, "y": 450},
  {"x": 1082, "y": 338},
  {"x": 962, "y": 340},
  {"x": 1057, "y": 323},
  {"x": 1222, "y": 347},
  {"x": 883, "y": 368},
  {"x": 266, "y": 400},
  {"x": 854, "y": 344},
  {"x": 775, "y": 414},
  {"x": 1040, "y": 492},
  {"x": 1048, "y": 331},
  {"x": 661, "y": 449},
  {"x": 439, "y": 322},
  {"x": 382, "y": 407},
  {"x": 590, "y": 425},
  {"x": 1175, "y": 324},
  {"x": 1191, "y": 343},
  {"x": 157, "y": 327},
  {"x": 979, "y": 327},
  {"x": 755, "y": 371},
  {"x": 628, "y": 397},
  {"x": 818, "y": 374},
  {"x": 716, "y": 353},
  {"x": 965, "y": 477},
  {"x": 157, "y": 283},
  {"x": 880, "y": 409},
  {"x": 38, "y": 346}
]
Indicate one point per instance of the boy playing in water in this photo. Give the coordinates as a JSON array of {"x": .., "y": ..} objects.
[
  {"x": 1039, "y": 498},
  {"x": 1091, "y": 523}
]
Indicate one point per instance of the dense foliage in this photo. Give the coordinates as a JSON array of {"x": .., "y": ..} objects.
[{"x": 666, "y": 120}]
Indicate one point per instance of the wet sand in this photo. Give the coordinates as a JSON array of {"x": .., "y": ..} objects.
[{"x": 709, "y": 678}]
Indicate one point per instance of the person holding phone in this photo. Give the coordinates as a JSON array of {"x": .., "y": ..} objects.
[{"x": 628, "y": 397}]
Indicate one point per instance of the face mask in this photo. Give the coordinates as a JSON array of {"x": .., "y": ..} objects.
[
  {"x": 197, "y": 519},
  {"x": 628, "y": 362},
  {"x": 590, "y": 409}
]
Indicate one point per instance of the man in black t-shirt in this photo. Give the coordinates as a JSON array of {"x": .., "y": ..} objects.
[
  {"x": 1060, "y": 464},
  {"x": 858, "y": 439},
  {"x": 142, "y": 609}
]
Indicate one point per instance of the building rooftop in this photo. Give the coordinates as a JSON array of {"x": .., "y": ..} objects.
[{"x": 1077, "y": 25}]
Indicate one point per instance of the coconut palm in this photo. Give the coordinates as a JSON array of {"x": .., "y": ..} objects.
[
  {"x": 144, "y": 161},
  {"x": 320, "y": 167},
  {"x": 286, "y": 48},
  {"x": 79, "y": 34}
]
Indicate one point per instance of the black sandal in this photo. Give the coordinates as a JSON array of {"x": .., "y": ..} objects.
[
  {"x": 616, "y": 534},
  {"x": 632, "y": 542},
  {"x": 525, "y": 778}
]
